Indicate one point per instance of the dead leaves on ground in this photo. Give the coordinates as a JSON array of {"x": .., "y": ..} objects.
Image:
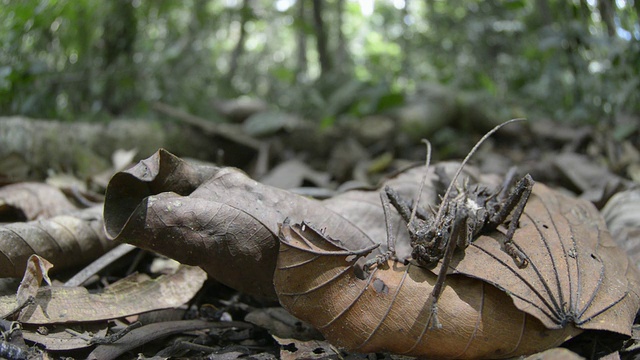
[
  {"x": 40, "y": 220},
  {"x": 61, "y": 318},
  {"x": 132, "y": 295},
  {"x": 44, "y": 230},
  {"x": 227, "y": 223}
]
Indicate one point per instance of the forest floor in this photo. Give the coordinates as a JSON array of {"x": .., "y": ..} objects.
[{"x": 152, "y": 314}]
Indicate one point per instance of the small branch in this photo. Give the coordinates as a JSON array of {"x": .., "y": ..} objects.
[{"x": 224, "y": 130}]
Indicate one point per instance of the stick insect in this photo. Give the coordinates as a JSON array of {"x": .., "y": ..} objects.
[{"x": 463, "y": 214}]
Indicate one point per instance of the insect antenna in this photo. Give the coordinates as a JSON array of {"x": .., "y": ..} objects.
[
  {"x": 424, "y": 179},
  {"x": 464, "y": 162}
]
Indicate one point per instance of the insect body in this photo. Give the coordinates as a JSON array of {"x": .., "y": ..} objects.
[
  {"x": 481, "y": 210},
  {"x": 464, "y": 213}
]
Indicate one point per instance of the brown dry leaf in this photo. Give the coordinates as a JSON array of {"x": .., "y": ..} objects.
[
  {"x": 140, "y": 336},
  {"x": 622, "y": 214},
  {"x": 65, "y": 240},
  {"x": 228, "y": 225},
  {"x": 30, "y": 201},
  {"x": 58, "y": 338},
  {"x": 596, "y": 183},
  {"x": 317, "y": 280},
  {"x": 294, "y": 349},
  {"x": 123, "y": 298},
  {"x": 576, "y": 273},
  {"x": 162, "y": 172},
  {"x": 293, "y": 173},
  {"x": 37, "y": 270}
]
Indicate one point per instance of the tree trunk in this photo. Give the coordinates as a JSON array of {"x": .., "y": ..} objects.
[
  {"x": 301, "y": 61},
  {"x": 321, "y": 38},
  {"x": 606, "y": 9},
  {"x": 406, "y": 46},
  {"x": 342, "y": 56},
  {"x": 120, "y": 32},
  {"x": 545, "y": 16},
  {"x": 245, "y": 15}
]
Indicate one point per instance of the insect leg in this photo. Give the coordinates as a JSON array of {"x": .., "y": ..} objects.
[
  {"x": 459, "y": 230},
  {"x": 392, "y": 196},
  {"x": 516, "y": 201},
  {"x": 509, "y": 180},
  {"x": 385, "y": 198}
]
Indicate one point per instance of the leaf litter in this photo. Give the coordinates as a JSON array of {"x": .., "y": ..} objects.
[
  {"x": 246, "y": 209},
  {"x": 165, "y": 186}
]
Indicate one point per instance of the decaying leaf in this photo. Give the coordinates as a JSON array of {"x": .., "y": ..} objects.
[
  {"x": 37, "y": 270},
  {"x": 596, "y": 183},
  {"x": 57, "y": 304},
  {"x": 293, "y": 349},
  {"x": 58, "y": 338},
  {"x": 147, "y": 333},
  {"x": 622, "y": 214},
  {"x": 293, "y": 173},
  {"x": 64, "y": 240},
  {"x": 30, "y": 201}
]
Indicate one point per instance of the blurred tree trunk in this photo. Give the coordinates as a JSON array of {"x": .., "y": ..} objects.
[
  {"x": 406, "y": 46},
  {"x": 120, "y": 32},
  {"x": 606, "y": 9},
  {"x": 85, "y": 54},
  {"x": 301, "y": 41},
  {"x": 544, "y": 13},
  {"x": 245, "y": 15},
  {"x": 342, "y": 57},
  {"x": 321, "y": 38}
]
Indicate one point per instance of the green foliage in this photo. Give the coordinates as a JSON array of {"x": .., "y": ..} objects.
[{"x": 69, "y": 59}]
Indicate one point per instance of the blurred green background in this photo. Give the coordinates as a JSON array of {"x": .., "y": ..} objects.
[{"x": 574, "y": 61}]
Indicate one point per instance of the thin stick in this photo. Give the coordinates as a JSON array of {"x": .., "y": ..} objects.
[
  {"x": 464, "y": 162},
  {"x": 99, "y": 264}
]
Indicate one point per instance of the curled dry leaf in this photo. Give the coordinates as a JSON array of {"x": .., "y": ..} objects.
[
  {"x": 31, "y": 201},
  {"x": 37, "y": 270},
  {"x": 65, "y": 240},
  {"x": 622, "y": 214},
  {"x": 131, "y": 295},
  {"x": 226, "y": 224}
]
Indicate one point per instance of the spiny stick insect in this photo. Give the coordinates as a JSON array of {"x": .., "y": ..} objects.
[{"x": 463, "y": 214}]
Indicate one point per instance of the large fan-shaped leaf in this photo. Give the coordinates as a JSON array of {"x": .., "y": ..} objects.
[{"x": 317, "y": 280}]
